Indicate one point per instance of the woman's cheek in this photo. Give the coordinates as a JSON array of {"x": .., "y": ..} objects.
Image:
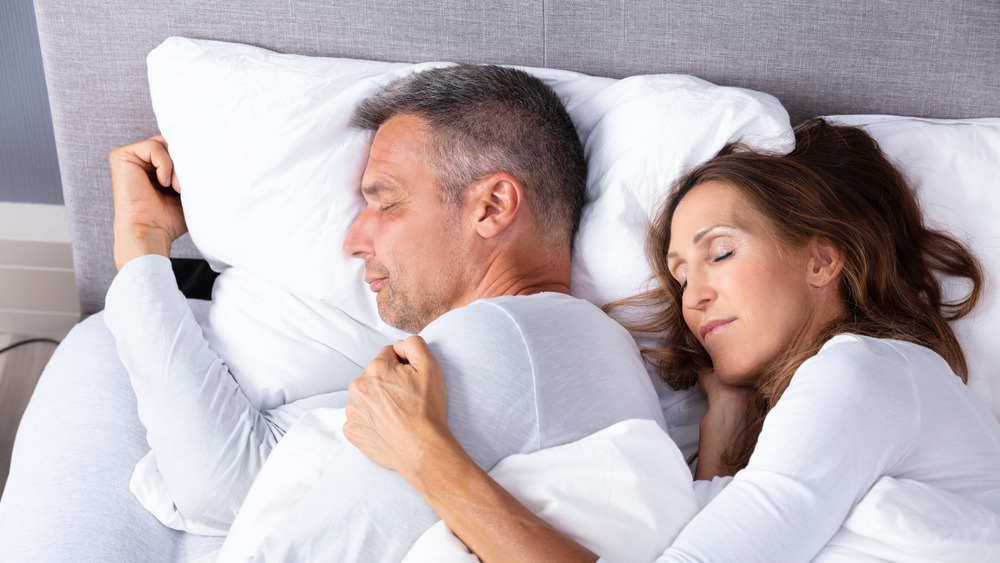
[{"x": 689, "y": 321}]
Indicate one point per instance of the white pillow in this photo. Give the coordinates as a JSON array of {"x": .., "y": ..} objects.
[
  {"x": 954, "y": 166},
  {"x": 269, "y": 171},
  {"x": 639, "y": 134}
]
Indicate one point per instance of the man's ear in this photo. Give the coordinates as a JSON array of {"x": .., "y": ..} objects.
[
  {"x": 497, "y": 202},
  {"x": 825, "y": 260}
]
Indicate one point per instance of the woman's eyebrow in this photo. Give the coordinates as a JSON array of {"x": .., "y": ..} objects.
[{"x": 701, "y": 234}]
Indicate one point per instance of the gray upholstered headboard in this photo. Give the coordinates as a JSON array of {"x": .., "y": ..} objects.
[{"x": 929, "y": 58}]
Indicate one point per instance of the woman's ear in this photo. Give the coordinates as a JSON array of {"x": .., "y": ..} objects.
[
  {"x": 826, "y": 261},
  {"x": 498, "y": 200}
]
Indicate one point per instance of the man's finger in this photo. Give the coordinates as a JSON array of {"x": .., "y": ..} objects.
[
  {"x": 150, "y": 155},
  {"x": 355, "y": 413},
  {"x": 414, "y": 351},
  {"x": 354, "y": 389},
  {"x": 174, "y": 183},
  {"x": 160, "y": 158},
  {"x": 387, "y": 354}
]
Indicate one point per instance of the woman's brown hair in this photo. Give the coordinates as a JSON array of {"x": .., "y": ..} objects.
[{"x": 836, "y": 184}]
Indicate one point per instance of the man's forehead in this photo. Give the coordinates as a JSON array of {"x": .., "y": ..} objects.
[
  {"x": 401, "y": 136},
  {"x": 396, "y": 162}
]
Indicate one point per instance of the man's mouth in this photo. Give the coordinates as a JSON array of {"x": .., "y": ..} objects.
[{"x": 375, "y": 284}]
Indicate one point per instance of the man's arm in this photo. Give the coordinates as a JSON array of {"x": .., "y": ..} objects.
[
  {"x": 398, "y": 418},
  {"x": 208, "y": 440}
]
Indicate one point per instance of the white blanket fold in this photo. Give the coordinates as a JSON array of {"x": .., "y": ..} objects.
[
  {"x": 901, "y": 520},
  {"x": 624, "y": 493}
]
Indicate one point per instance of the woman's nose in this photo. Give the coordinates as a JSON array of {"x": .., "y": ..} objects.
[{"x": 698, "y": 292}]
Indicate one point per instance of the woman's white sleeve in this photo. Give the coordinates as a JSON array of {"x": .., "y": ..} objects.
[{"x": 846, "y": 419}]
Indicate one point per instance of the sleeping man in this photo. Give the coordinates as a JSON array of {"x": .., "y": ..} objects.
[{"x": 474, "y": 188}]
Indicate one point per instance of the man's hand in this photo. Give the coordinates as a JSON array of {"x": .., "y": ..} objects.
[
  {"x": 148, "y": 214},
  {"x": 398, "y": 413}
]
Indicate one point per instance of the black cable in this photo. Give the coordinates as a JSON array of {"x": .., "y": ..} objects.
[{"x": 28, "y": 341}]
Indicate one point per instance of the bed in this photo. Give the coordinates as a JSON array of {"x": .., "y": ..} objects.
[{"x": 67, "y": 497}]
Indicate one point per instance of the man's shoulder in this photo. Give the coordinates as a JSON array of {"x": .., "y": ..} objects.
[
  {"x": 541, "y": 312},
  {"x": 540, "y": 303},
  {"x": 563, "y": 353},
  {"x": 533, "y": 326}
]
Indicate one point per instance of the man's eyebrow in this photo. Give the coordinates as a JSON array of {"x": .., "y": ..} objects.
[
  {"x": 376, "y": 188},
  {"x": 701, "y": 234}
]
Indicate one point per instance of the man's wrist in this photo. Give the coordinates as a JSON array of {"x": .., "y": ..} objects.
[
  {"x": 131, "y": 243},
  {"x": 436, "y": 463}
]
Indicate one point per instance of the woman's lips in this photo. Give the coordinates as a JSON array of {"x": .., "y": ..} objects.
[{"x": 713, "y": 327}]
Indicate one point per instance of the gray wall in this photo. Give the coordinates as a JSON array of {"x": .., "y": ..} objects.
[{"x": 29, "y": 171}]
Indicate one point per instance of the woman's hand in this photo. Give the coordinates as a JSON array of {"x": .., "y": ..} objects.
[
  {"x": 727, "y": 405},
  {"x": 399, "y": 407}
]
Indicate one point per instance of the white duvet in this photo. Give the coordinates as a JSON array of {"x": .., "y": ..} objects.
[{"x": 625, "y": 493}]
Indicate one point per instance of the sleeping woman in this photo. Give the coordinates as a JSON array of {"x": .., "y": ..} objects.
[{"x": 803, "y": 293}]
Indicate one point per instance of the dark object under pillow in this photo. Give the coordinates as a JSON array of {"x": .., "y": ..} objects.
[{"x": 194, "y": 277}]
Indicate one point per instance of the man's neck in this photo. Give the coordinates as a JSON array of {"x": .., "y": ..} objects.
[{"x": 519, "y": 277}]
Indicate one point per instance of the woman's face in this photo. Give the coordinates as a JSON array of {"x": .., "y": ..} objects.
[{"x": 745, "y": 295}]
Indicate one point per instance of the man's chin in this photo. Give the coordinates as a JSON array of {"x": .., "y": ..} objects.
[
  {"x": 410, "y": 324},
  {"x": 409, "y": 328},
  {"x": 403, "y": 315},
  {"x": 390, "y": 318}
]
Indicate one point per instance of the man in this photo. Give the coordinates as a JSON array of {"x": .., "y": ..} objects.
[{"x": 474, "y": 188}]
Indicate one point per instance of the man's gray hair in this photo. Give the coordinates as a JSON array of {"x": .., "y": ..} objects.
[{"x": 485, "y": 119}]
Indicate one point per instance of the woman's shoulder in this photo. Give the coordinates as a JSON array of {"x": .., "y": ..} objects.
[
  {"x": 855, "y": 350},
  {"x": 864, "y": 367},
  {"x": 855, "y": 384}
]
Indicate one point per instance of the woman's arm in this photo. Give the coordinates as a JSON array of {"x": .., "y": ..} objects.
[
  {"x": 727, "y": 406},
  {"x": 398, "y": 418},
  {"x": 850, "y": 415}
]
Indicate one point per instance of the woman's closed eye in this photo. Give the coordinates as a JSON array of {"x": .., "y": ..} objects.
[
  {"x": 719, "y": 257},
  {"x": 723, "y": 256},
  {"x": 719, "y": 250},
  {"x": 680, "y": 276}
]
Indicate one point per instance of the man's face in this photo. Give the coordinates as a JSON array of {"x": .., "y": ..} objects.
[{"x": 412, "y": 243}]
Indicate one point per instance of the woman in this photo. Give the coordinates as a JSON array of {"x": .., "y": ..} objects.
[{"x": 801, "y": 293}]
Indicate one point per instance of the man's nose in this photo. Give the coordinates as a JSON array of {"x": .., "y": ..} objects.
[{"x": 357, "y": 243}]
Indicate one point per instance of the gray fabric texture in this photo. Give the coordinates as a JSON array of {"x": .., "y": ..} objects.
[
  {"x": 935, "y": 58},
  {"x": 67, "y": 497}
]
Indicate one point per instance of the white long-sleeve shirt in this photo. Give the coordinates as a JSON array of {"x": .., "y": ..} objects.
[
  {"x": 523, "y": 373},
  {"x": 860, "y": 409},
  {"x": 208, "y": 441}
]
